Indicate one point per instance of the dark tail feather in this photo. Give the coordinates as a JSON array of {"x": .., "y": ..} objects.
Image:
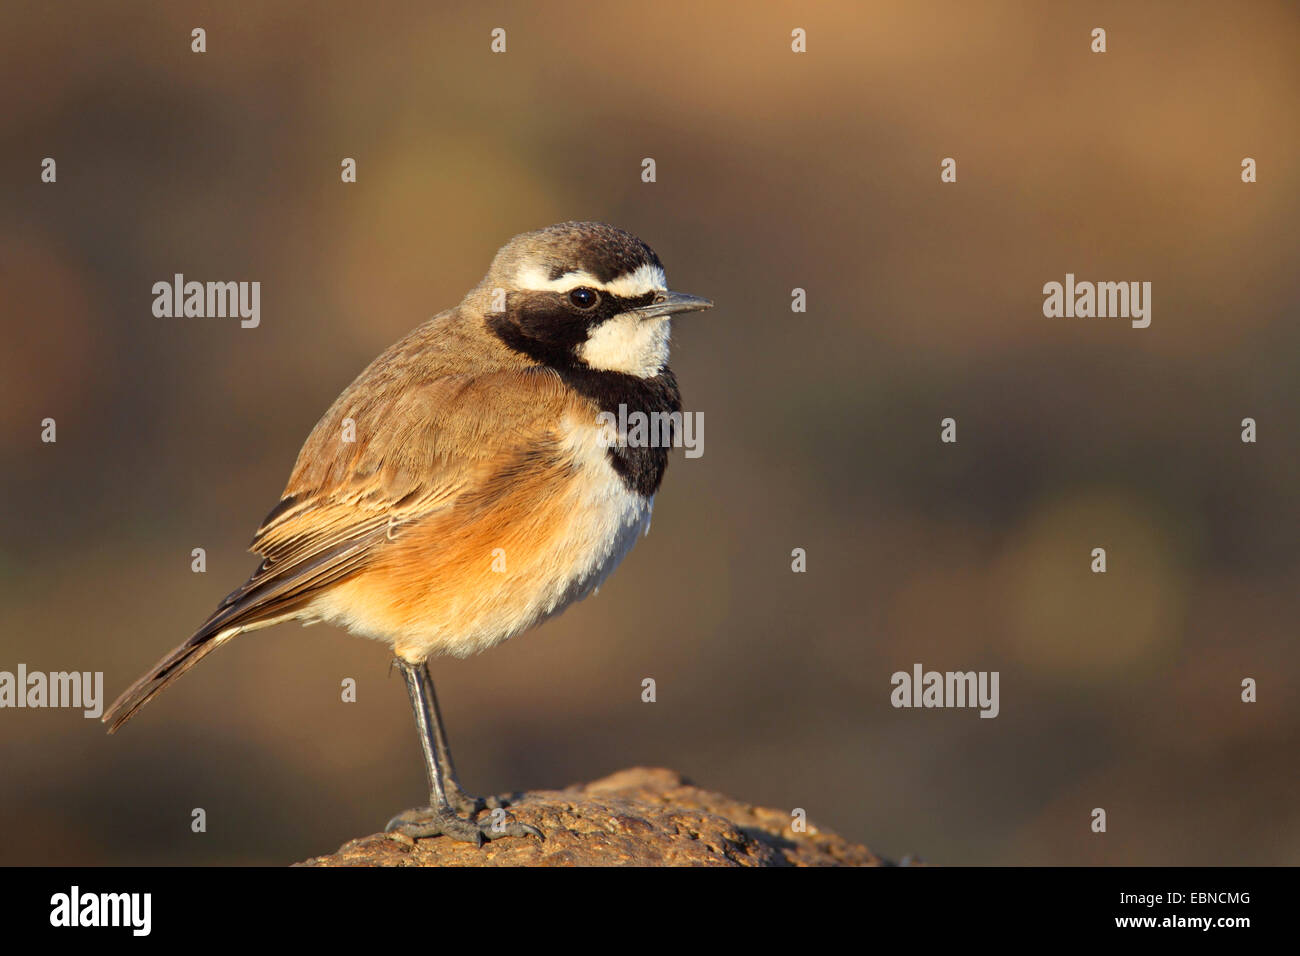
[
  {"x": 270, "y": 596},
  {"x": 238, "y": 613},
  {"x": 163, "y": 673}
]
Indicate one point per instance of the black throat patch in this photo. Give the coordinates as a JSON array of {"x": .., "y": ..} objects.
[
  {"x": 641, "y": 466},
  {"x": 549, "y": 334}
]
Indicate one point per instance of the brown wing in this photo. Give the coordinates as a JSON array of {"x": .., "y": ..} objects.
[{"x": 380, "y": 459}]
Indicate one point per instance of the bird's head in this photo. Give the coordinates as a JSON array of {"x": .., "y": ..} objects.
[{"x": 583, "y": 294}]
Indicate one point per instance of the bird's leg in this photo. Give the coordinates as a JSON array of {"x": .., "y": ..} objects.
[
  {"x": 456, "y": 796},
  {"x": 439, "y": 818}
]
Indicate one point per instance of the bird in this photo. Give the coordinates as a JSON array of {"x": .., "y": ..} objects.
[{"x": 464, "y": 487}]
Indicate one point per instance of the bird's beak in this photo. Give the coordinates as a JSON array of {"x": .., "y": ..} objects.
[{"x": 670, "y": 303}]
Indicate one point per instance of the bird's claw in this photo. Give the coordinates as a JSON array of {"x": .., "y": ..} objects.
[{"x": 424, "y": 822}]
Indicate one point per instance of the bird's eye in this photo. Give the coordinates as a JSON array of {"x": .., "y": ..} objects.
[{"x": 584, "y": 298}]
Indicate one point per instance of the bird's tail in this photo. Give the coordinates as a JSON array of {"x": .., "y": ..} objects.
[
  {"x": 163, "y": 673},
  {"x": 206, "y": 639},
  {"x": 276, "y": 592}
]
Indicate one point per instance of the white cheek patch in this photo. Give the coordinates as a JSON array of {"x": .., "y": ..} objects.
[
  {"x": 644, "y": 278},
  {"x": 628, "y": 344}
]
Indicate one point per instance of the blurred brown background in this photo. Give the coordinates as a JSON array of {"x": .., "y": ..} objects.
[{"x": 822, "y": 430}]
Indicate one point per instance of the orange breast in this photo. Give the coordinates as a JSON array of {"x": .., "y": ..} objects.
[{"x": 501, "y": 559}]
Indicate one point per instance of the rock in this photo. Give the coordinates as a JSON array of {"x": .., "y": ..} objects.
[{"x": 637, "y": 817}]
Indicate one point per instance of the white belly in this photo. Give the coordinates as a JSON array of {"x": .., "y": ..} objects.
[{"x": 608, "y": 518}]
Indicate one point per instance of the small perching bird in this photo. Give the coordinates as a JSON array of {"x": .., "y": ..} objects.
[{"x": 463, "y": 488}]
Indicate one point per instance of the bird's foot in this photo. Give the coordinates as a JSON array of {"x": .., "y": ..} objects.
[
  {"x": 423, "y": 822},
  {"x": 470, "y": 805}
]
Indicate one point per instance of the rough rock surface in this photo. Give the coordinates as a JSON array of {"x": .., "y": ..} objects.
[{"x": 637, "y": 817}]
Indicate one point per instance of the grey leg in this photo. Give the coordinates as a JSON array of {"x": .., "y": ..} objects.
[
  {"x": 456, "y": 796},
  {"x": 439, "y": 818}
]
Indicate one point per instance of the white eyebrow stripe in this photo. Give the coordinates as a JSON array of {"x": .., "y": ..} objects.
[
  {"x": 535, "y": 279},
  {"x": 645, "y": 278}
]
